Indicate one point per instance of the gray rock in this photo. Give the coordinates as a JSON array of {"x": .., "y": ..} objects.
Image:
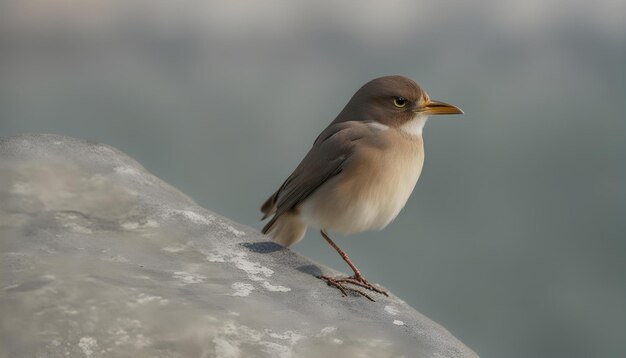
[{"x": 100, "y": 258}]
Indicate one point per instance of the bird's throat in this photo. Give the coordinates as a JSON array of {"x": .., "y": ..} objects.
[{"x": 415, "y": 126}]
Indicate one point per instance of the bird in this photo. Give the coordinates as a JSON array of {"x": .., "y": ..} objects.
[{"x": 359, "y": 173}]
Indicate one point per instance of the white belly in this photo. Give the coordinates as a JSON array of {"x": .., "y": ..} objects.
[{"x": 369, "y": 193}]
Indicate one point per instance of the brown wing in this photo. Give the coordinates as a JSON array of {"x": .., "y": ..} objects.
[{"x": 326, "y": 159}]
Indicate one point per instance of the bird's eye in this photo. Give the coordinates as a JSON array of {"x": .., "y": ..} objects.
[{"x": 399, "y": 102}]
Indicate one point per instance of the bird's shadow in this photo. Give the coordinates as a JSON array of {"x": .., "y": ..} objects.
[
  {"x": 312, "y": 270},
  {"x": 268, "y": 247},
  {"x": 264, "y": 247}
]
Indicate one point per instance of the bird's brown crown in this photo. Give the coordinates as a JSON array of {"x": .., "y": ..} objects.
[{"x": 389, "y": 100}]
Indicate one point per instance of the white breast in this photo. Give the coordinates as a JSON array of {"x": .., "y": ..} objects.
[{"x": 371, "y": 191}]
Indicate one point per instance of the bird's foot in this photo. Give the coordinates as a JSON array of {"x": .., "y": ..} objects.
[
  {"x": 357, "y": 280},
  {"x": 361, "y": 281},
  {"x": 339, "y": 284}
]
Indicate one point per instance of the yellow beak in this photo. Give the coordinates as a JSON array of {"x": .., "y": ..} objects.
[{"x": 436, "y": 107}]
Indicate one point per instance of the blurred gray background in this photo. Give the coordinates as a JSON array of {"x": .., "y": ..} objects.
[{"x": 515, "y": 237}]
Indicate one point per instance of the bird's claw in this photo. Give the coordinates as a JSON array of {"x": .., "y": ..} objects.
[
  {"x": 361, "y": 281},
  {"x": 340, "y": 284}
]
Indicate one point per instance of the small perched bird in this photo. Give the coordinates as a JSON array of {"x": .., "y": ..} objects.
[{"x": 360, "y": 171}]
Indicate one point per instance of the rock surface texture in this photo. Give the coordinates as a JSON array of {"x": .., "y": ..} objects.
[{"x": 99, "y": 258}]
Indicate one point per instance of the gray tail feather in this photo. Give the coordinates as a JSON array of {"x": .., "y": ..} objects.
[
  {"x": 269, "y": 225},
  {"x": 269, "y": 207},
  {"x": 285, "y": 229}
]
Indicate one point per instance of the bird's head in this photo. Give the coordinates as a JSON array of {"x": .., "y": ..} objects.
[{"x": 394, "y": 101}]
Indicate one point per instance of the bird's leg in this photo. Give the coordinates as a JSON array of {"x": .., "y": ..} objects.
[{"x": 356, "y": 279}]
